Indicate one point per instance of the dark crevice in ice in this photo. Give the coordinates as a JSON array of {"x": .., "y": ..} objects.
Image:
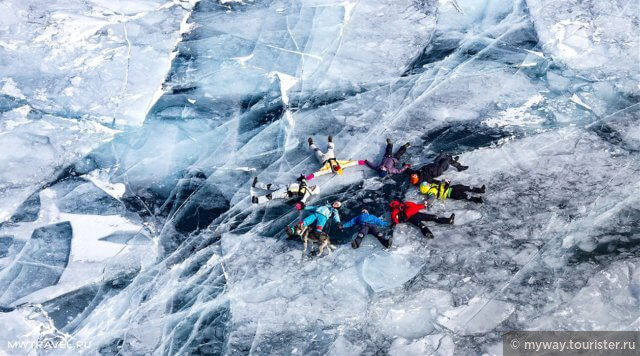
[
  {"x": 40, "y": 264},
  {"x": 69, "y": 310}
]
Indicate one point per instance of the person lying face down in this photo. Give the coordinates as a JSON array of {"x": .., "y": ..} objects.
[
  {"x": 390, "y": 160},
  {"x": 444, "y": 190},
  {"x": 402, "y": 212},
  {"x": 434, "y": 169},
  {"x": 328, "y": 160},
  {"x": 300, "y": 192},
  {"x": 368, "y": 224}
]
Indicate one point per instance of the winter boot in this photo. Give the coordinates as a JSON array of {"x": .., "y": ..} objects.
[
  {"x": 452, "y": 218},
  {"x": 459, "y": 166},
  {"x": 310, "y": 140},
  {"x": 330, "y": 138},
  {"x": 255, "y": 181},
  {"x": 387, "y": 243},
  {"x": 476, "y": 200},
  {"x": 425, "y": 231}
]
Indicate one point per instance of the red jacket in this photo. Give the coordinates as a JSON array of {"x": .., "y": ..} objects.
[{"x": 401, "y": 212}]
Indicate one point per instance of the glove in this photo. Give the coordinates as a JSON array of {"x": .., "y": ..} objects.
[
  {"x": 299, "y": 206},
  {"x": 408, "y": 165}
]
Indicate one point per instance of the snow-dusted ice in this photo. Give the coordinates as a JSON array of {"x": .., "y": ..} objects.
[{"x": 130, "y": 132}]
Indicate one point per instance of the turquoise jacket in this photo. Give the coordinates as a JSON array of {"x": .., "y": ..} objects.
[{"x": 326, "y": 210}]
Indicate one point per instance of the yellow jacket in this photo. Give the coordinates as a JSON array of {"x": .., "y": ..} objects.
[{"x": 440, "y": 191}]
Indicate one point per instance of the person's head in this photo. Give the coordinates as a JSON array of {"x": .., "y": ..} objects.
[
  {"x": 383, "y": 173},
  {"x": 365, "y": 211},
  {"x": 394, "y": 204},
  {"x": 336, "y": 204},
  {"x": 336, "y": 168},
  {"x": 414, "y": 179},
  {"x": 424, "y": 187}
]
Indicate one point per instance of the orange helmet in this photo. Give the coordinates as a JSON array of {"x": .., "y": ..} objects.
[
  {"x": 414, "y": 179},
  {"x": 336, "y": 168}
]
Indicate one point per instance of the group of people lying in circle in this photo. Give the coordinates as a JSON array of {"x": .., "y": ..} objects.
[{"x": 401, "y": 212}]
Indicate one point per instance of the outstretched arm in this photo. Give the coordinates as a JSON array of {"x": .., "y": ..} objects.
[
  {"x": 351, "y": 163},
  {"x": 326, "y": 169},
  {"x": 351, "y": 222},
  {"x": 370, "y": 165}
]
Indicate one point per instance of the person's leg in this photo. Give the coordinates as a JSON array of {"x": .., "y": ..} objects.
[
  {"x": 330, "y": 153},
  {"x": 373, "y": 230},
  {"x": 267, "y": 186},
  {"x": 388, "y": 151},
  {"x": 316, "y": 151},
  {"x": 454, "y": 162},
  {"x": 262, "y": 199},
  {"x": 309, "y": 219},
  {"x": 437, "y": 219},
  {"x": 418, "y": 220},
  {"x": 402, "y": 150},
  {"x": 321, "y": 220},
  {"x": 364, "y": 230},
  {"x": 459, "y": 192},
  {"x": 281, "y": 193},
  {"x": 261, "y": 185}
]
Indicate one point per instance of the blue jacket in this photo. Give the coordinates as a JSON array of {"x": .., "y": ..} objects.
[
  {"x": 326, "y": 210},
  {"x": 365, "y": 218}
]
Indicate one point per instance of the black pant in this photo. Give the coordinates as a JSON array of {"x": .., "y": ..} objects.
[
  {"x": 388, "y": 152},
  {"x": 419, "y": 220},
  {"x": 435, "y": 169},
  {"x": 459, "y": 191},
  {"x": 373, "y": 230}
]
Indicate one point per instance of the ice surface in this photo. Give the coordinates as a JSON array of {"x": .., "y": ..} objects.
[{"x": 153, "y": 245}]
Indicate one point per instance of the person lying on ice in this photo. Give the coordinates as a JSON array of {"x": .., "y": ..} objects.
[
  {"x": 389, "y": 161},
  {"x": 434, "y": 169},
  {"x": 300, "y": 191},
  {"x": 444, "y": 190},
  {"x": 410, "y": 212},
  {"x": 319, "y": 215},
  {"x": 328, "y": 160},
  {"x": 368, "y": 224}
]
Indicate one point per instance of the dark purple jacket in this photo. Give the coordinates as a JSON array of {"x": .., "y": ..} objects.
[{"x": 389, "y": 165}]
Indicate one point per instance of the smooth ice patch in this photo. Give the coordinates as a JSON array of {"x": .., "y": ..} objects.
[
  {"x": 413, "y": 316},
  {"x": 384, "y": 271},
  {"x": 436, "y": 344},
  {"x": 478, "y": 316}
]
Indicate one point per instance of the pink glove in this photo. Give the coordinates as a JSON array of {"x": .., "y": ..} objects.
[{"x": 298, "y": 206}]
